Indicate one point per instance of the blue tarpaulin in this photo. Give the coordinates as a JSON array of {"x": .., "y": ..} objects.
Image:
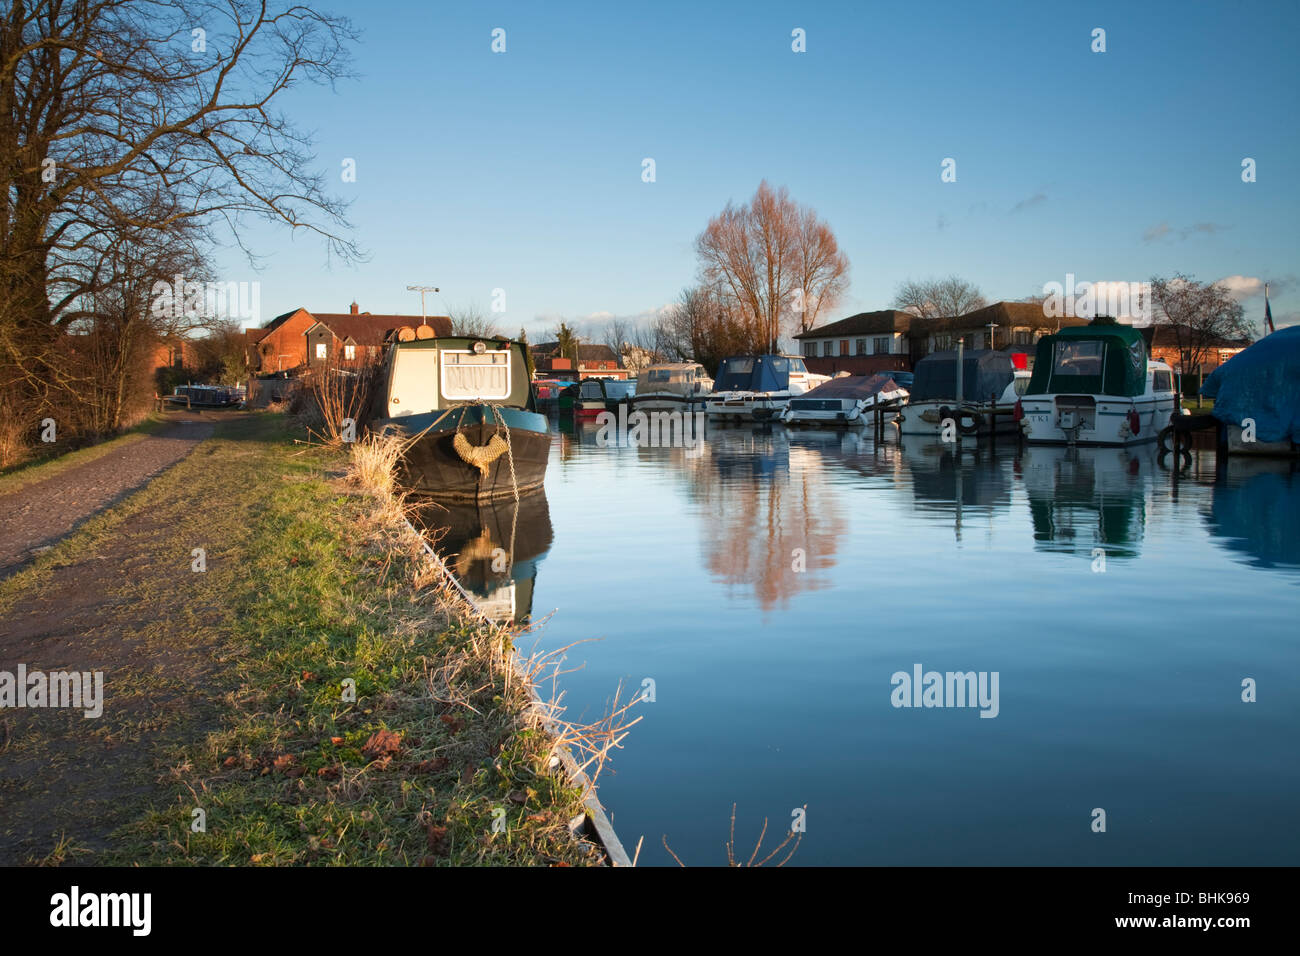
[{"x": 1261, "y": 383}]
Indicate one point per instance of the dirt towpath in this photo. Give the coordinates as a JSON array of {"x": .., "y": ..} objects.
[{"x": 34, "y": 517}]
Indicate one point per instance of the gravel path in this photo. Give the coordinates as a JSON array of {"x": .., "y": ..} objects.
[{"x": 38, "y": 515}]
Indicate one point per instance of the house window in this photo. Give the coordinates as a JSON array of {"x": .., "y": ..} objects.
[
  {"x": 880, "y": 345},
  {"x": 828, "y": 349},
  {"x": 349, "y": 352},
  {"x": 810, "y": 349},
  {"x": 844, "y": 346},
  {"x": 861, "y": 346},
  {"x": 321, "y": 350},
  {"x": 1022, "y": 337}
]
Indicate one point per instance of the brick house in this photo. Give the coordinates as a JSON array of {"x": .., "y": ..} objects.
[
  {"x": 299, "y": 339},
  {"x": 1164, "y": 346},
  {"x": 889, "y": 340},
  {"x": 594, "y": 361}
]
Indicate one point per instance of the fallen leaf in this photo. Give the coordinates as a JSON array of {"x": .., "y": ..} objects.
[{"x": 381, "y": 743}]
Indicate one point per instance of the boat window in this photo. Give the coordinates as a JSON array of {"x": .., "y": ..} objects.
[
  {"x": 591, "y": 390},
  {"x": 797, "y": 367},
  {"x": 737, "y": 366},
  {"x": 468, "y": 376},
  {"x": 1021, "y": 383},
  {"x": 1164, "y": 382},
  {"x": 782, "y": 365},
  {"x": 1078, "y": 358},
  {"x": 660, "y": 374}
]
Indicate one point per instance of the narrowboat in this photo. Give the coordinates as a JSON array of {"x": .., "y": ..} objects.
[
  {"x": 204, "y": 396},
  {"x": 672, "y": 386},
  {"x": 751, "y": 388},
  {"x": 587, "y": 399},
  {"x": 470, "y": 413},
  {"x": 843, "y": 401},
  {"x": 1094, "y": 384},
  {"x": 975, "y": 389}
]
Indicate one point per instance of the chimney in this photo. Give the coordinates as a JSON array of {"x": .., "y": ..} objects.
[{"x": 355, "y": 307}]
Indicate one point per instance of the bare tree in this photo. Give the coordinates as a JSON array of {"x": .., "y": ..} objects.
[
  {"x": 470, "y": 320},
  {"x": 702, "y": 327},
  {"x": 771, "y": 263},
  {"x": 938, "y": 298},
  {"x": 1199, "y": 317},
  {"x": 126, "y": 118}
]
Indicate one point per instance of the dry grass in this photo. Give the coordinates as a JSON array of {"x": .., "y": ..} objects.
[
  {"x": 758, "y": 846},
  {"x": 489, "y": 652}
]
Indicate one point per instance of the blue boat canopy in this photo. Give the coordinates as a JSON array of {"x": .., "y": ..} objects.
[
  {"x": 753, "y": 373},
  {"x": 1263, "y": 383}
]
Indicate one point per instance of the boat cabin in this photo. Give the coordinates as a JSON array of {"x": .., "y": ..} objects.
[{"x": 427, "y": 375}]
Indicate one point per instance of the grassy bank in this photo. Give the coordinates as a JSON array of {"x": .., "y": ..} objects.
[{"x": 316, "y": 693}]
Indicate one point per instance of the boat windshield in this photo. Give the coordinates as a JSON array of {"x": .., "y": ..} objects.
[
  {"x": 1077, "y": 358},
  {"x": 591, "y": 390},
  {"x": 797, "y": 367}
]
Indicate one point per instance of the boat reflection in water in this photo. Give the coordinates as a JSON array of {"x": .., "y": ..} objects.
[
  {"x": 957, "y": 481},
  {"x": 494, "y": 548},
  {"x": 1081, "y": 499},
  {"x": 1255, "y": 512}
]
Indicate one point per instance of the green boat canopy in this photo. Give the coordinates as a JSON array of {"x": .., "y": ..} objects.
[{"x": 1100, "y": 358}]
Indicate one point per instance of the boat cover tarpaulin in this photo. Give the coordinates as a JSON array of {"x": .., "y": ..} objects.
[
  {"x": 985, "y": 372},
  {"x": 1263, "y": 383},
  {"x": 855, "y": 387},
  {"x": 1103, "y": 357},
  {"x": 753, "y": 373}
]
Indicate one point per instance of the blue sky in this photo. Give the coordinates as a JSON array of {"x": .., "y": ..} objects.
[{"x": 522, "y": 170}]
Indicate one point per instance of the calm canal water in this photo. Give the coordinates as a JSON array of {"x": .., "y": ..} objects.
[{"x": 1120, "y": 615}]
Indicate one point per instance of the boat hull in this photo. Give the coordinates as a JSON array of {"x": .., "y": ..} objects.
[
  {"x": 432, "y": 467},
  {"x": 747, "y": 406},
  {"x": 927, "y": 418},
  {"x": 1097, "y": 420}
]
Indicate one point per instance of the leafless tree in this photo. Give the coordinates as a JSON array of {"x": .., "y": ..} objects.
[
  {"x": 470, "y": 320},
  {"x": 1199, "y": 317},
  {"x": 702, "y": 327},
  {"x": 772, "y": 263},
  {"x": 119, "y": 119},
  {"x": 938, "y": 298}
]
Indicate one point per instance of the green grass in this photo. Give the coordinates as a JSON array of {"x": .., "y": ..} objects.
[
  {"x": 308, "y": 585},
  {"x": 49, "y": 465}
]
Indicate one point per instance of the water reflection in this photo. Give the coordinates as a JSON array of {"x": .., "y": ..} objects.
[
  {"x": 765, "y": 525},
  {"x": 494, "y": 549},
  {"x": 956, "y": 481},
  {"x": 1255, "y": 511},
  {"x": 1086, "y": 498}
]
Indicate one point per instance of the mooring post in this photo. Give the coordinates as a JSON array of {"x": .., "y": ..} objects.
[{"x": 993, "y": 418}]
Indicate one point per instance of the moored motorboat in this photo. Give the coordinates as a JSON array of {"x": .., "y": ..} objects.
[
  {"x": 844, "y": 401},
  {"x": 680, "y": 386},
  {"x": 1095, "y": 385},
  {"x": 974, "y": 390},
  {"x": 751, "y": 388},
  {"x": 469, "y": 411}
]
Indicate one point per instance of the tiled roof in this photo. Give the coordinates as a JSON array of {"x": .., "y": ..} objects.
[{"x": 864, "y": 323}]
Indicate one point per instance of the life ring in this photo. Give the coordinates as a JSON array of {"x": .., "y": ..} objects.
[{"x": 479, "y": 456}]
